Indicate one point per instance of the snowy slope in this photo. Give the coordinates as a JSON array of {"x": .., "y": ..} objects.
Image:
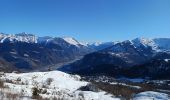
[
  {"x": 62, "y": 85},
  {"x": 72, "y": 41},
  {"x": 150, "y": 95},
  {"x": 157, "y": 44},
  {"x": 138, "y": 42}
]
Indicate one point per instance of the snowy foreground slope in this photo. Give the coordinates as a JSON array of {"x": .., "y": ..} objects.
[{"x": 56, "y": 85}]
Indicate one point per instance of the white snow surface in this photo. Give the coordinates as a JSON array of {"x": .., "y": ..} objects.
[
  {"x": 71, "y": 41},
  {"x": 21, "y": 37},
  {"x": 166, "y": 60},
  {"x": 145, "y": 42},
  {"x": 30, "y": 38},
  {"x": 63, "y": 85},
  {"x": 157, "y": 44},
  {"x": 150, "y": 95}
]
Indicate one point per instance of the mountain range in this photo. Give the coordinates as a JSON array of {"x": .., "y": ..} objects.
[
  {"x": 140, "y": 57},
  {"x": 26, "y": 52}
]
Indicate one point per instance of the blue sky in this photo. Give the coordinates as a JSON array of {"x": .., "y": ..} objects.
[{"x": 87, "y": 20}]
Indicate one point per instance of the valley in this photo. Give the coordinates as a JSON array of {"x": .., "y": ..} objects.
[{"x": 41, "y": 68}]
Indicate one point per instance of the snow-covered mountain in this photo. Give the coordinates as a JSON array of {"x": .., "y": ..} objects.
[
  {"x": 157, "y": 44},
  {"x": 27, "y": 51},
  {"x": 137, "y": 58},
  {"x": 30, "y": 38},
  {"x": 21, "y": 37},
  {"x": 121, "y": 56}
]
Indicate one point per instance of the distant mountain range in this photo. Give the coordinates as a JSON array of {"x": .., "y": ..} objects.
[
  {"x": 25, "y": 52},
  {"x": 139, "y": 57}
]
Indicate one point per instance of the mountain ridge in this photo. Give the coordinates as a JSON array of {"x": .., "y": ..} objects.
[
  {"x": 125, "y": 57},
  {"x": 26, "y": 52}
]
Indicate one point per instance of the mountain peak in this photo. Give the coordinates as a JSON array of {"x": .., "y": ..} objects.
[
  {"x": 71, "y": 41},
  {"x": 145, "y": 42}
]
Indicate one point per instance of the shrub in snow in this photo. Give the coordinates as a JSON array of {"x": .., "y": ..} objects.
[
  {"x": 35, "y": 93},
  {"x": 18, "y": 79},
  {"x": 26, "y": 82},
  {"x": 8, "y": 81},
  {"x": 44, "y": 86},
  {"x": 49, "y": 69},
  {"x": 2, "y": 73},
  {"x": 35, "y": 83},
  {"x": 12, "y": 96},
  {"x": 44, "y": 91},
  {"x": 81, "y": 94},
  {"x": 1, "y": 84},
  {"x": 49, "y": 80},
  {"x": 89, "y": 87},
  {"x": 118, "y": 90}
]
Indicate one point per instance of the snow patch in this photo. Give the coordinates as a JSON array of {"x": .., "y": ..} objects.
[
  {"x": 71, "y": 41},
  {"x": 166, "y": 60},
  {"x": 150, "y": 95}
]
